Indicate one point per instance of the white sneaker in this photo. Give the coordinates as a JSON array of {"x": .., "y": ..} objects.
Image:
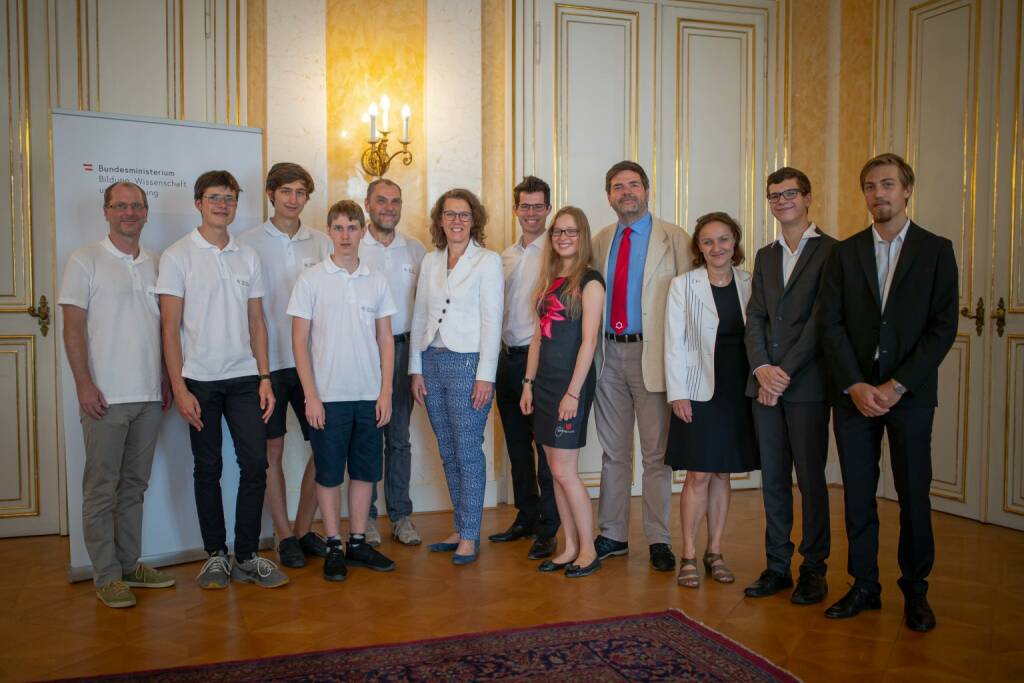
[
  {"x": 405, "y": 533},
  {"x": 372, "y": 533}
]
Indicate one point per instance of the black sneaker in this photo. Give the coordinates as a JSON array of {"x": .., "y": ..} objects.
[
  {"x": 662, "y": 558},
  {"x": 334, "y": 565},
  {"x": 313, "y": 545},
  {"x": 607, "y": 547},
  {"x": 365, "y": 555},
  {"x": 289, "y": 551}
]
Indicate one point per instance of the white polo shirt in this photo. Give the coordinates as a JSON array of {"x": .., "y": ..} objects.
[
  {"x": 283, "y": 259},
  {"x": 399, "y": 263},
  {"x": 216, "y": 285},
  {"x": 343, "y": 309},
  {"x": 521, "y": 266},
  {"x": 123, "y": 319}
]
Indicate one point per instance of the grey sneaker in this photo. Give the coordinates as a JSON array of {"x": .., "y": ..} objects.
[
  {"x": 258, "y": 570},
  {"x": 147, "y": 577},
  {"x": 216, "y": 573},
  {"x": 405, "y": 533},
  {"x": 372, "y": 533},
  {"x": 116, "y": 594}
]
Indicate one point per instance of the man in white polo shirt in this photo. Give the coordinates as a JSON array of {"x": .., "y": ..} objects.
[
  {"x": 112, "y": 339},
  {"x": 215, "y": 349},
  {"x": 286, "y": 248},
  {"x": 397, "y": 257}
]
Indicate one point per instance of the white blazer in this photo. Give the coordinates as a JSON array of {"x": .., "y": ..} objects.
[
  {"x": 465, "y": 307},
  {"x": 691, "y": 324}
]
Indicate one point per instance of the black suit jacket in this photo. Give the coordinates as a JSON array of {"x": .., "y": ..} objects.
[
  {"x": 781, "y": 328},
  {"x": 912, "y": 335}
]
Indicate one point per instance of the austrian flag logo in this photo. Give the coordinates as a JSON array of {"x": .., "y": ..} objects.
[{"x": 87, "y": 167}]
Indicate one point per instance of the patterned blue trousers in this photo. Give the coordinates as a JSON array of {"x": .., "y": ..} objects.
[{"x": 459, "y": 429}]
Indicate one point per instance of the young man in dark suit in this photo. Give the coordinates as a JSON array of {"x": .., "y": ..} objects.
[
  {"x": 788, "y": 381},
  {"x": 888, "y": 317}
]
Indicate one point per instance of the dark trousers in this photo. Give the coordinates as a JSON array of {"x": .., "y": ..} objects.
[
  {"x": 860, "y": 444},
  {"x": 397, "y": 451},
  {"x": 237, "y": 401},
  {"x": 794, "y": 435},
  {"x": 538, "y": 512}
]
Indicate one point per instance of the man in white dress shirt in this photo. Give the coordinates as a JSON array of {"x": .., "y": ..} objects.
[
  {"x": 397, "y": 256},
  {"x": 287, "y": 247},
  {"x": 537, "y": 515}
]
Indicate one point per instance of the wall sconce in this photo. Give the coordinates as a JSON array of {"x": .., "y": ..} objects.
[{"x": 375, "y": 159}]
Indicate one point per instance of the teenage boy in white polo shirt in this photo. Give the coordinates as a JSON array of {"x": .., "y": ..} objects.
[
  {"x": 286, "y": 248},
  {"x": 397, "y": 257},
  {"x": 215, "y": 349},
  {"x": 344, "y": 353},
  {"x": 112, "y": 339}
]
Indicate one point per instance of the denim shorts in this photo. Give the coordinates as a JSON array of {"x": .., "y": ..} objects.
[{"x": 350, "y": 436}]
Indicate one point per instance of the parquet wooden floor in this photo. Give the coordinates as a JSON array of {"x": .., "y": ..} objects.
[{"x": 49, "y": 628}]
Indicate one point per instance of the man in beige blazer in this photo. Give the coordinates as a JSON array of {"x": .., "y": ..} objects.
[{"x": 638, "y": 256}]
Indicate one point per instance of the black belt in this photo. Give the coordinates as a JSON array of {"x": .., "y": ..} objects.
[
  {"x": 404, "y": 337},
  {"x": 625, "y": 338},
  {"x": 513, "y": 350}
]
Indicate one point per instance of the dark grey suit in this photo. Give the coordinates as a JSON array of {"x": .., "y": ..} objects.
[{"x": 781, "y": 331}]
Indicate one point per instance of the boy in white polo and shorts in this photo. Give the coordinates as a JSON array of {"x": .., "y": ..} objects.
[{"x": 344, "y": 354}]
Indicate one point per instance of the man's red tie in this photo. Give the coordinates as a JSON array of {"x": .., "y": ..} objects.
[{"x": 620, "y": 285}]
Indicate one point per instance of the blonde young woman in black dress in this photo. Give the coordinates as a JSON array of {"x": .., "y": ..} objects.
[{"x": 559, "y": 385}]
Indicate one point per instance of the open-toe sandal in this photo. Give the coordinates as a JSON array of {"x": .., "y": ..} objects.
[
  {"x": 715, "y": 565},
  {"x": 688, "y": 576}
]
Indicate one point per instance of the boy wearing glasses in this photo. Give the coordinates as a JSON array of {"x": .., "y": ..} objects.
[
  {"x": 286, "y": 248},
  {"x": 215, "y": 349},
  {"x": 790, "y": 413}
]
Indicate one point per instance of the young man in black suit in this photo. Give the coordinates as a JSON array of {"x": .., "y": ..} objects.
[
  {"x": 888, "y": 317},
  {"x": 788, "y": 381}
]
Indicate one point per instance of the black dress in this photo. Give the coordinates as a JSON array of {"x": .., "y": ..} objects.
[
  {"x": 560, "y": 342},
  {"x": 721, "y": 436}
]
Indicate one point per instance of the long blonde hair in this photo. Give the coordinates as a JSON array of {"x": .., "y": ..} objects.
[{"x": 551, "y": 267}]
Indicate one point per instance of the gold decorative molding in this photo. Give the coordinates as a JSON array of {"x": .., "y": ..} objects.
[
  {"x": 957, "y": 489},
  {"x": 22, "y": 349},
  {"x": 1013, "y": 427}
]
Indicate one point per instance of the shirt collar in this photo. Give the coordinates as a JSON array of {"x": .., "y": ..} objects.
[
  {"x": 201, "y": 242},
  {"x": 538, "y": 243},
  {"x": 371, "y": 241},
  {"x": 899, "y": 237},
  {"x": 642, "y": 226},
  {"x": 811, "y": 231},
  {"x": 331, "y": 267},
  {"x": 117, "y": 253},
  {"x": 301, "y": 234}
]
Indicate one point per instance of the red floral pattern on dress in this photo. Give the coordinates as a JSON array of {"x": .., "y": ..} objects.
[{"x": 553, "y": 308}]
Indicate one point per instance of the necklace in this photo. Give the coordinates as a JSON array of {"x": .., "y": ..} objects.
[{"x": 723, "y": 282}]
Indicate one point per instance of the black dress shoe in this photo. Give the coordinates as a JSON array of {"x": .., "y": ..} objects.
[
  {"x": 811, "y": 589},
  {"x": 662, "y": 558},
  {"x": 769, "y": 583},
  {"x": 918, "y": 614},
  {"x": 542, "y": 547},
  {"x": 549, "y": 566},
  {"x": 853, "y": 603},
  {"x": 513, "y": 533},
  {"x": 574, "y": 571},
  {"x": 607, "y": 547}
]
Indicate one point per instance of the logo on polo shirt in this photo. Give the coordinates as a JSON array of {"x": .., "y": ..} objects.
[
  {"x": 240, "y": 281},
  {"x": 369, "y": 310}
]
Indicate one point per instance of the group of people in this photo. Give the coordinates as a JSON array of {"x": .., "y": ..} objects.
[{"x": 720, "y": 371}]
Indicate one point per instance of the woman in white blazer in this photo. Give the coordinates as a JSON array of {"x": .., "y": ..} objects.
[
  {"x": 711, "y": 433},
  {"x": 453, "y": 355}
]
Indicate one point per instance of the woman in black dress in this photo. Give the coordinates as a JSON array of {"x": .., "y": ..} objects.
[
  {"x": 711, "y": 434},
  {"x": 559, "y": 385}
]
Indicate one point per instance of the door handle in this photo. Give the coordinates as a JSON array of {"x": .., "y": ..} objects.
[
  {"x": 999, "y": 315},
  {"x": 42, "y": 313},
  {"x": 978, "y": 317}
]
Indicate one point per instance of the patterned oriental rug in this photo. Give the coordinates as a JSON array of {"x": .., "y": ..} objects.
[{"x": 660, "y": 646}]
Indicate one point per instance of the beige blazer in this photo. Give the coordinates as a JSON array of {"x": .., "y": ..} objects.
[
  {"x": 691, "y": 331},
  {"x": 668, "y": 255}
]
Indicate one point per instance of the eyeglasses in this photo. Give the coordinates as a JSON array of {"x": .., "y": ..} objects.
[
  {"x": 460, "y": 216},
  {"x": 568, "y": 232},
  {"x": 221, "y": 199},
  {"x": 528, "y": 208},
  {"x": 124, "y": 206},
  {"x": 774, "y": 197}
]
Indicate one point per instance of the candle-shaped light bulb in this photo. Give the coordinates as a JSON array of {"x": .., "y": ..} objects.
[
  {"x": 385, "y": 108},
  {"x": 406, "y": 113},
  {"x": 373, "y": 122}
]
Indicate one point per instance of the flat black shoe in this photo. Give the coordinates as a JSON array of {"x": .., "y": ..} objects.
[
  {"x": 662, "y": 558},
  {"x": 543, "y": 547},
  {"x": 607, "y": 547},
  {"x": 290, "y": 553},
  {"x": 334, "y": 564},
  {"x": 769, "y": 583},
  {"x": 513, "y": 533},
  {"x": 853, "y": 603},
  {"x": 574, "y": 571},
  {"x": 810, "y": 589},
  {"x": 313, "y": 544},
  {"x": 549, "y": 566},
  {"x": 918, "y": 614}
]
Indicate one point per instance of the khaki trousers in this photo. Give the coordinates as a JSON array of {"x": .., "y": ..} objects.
[
  {"x": 118, "y": 459},
  {"x": 622, "y": 401}
]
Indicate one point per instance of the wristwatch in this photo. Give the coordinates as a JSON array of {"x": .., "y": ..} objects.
[
  {"x": 263, "y": 377},
  {"x": 898, "y": 388},
  {"x": 527, "y": 380}
]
